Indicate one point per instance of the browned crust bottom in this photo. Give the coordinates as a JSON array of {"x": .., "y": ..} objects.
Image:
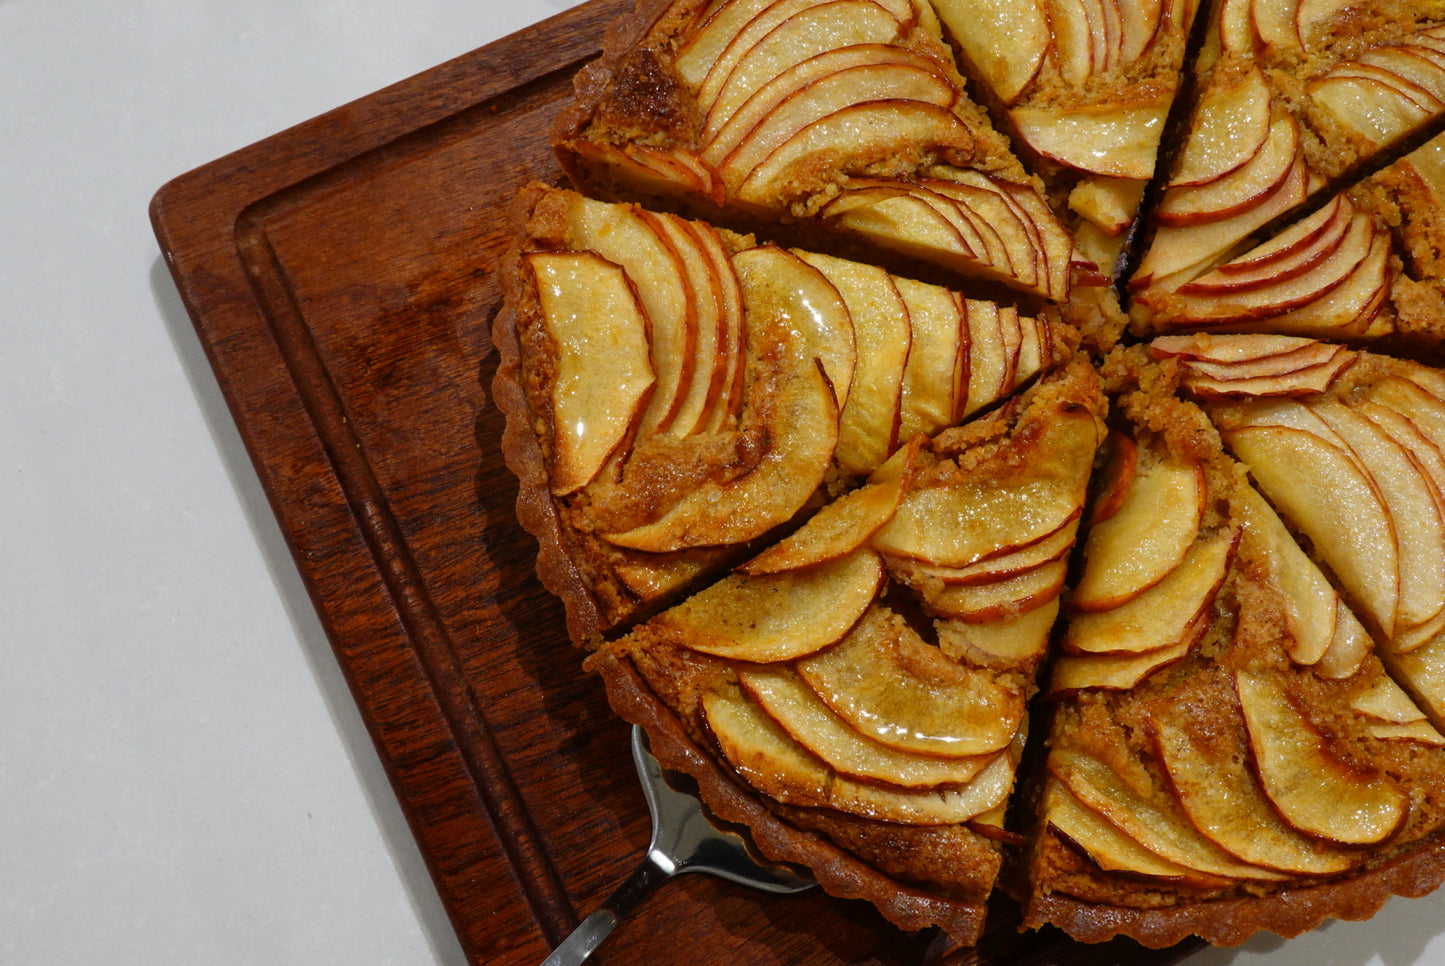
[
  {"x": 1229, "y": 922},
  {"x": 535, "y": 509},
  {"x": 839, "y": 873}
]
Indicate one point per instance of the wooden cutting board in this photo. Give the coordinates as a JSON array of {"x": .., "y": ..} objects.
[{"x": 339, "y": 275}]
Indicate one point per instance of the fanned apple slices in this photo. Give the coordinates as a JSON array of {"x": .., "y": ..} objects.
[
  {"x": 829, "y": 680},
  {"x": 1234, "y": 740},
  {"x": 757, "y": 112},
  {"x": 1291, "y": 95},
  {"x": 696, "y": 391}
]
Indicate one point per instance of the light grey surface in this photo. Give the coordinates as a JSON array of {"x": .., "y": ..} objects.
[{"x": 183, "y": 777}]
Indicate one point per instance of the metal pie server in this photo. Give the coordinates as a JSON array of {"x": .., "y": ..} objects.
[{"x": 683, "y": 840}]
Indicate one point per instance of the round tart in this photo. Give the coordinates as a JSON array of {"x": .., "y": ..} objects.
[{"x": 997, "y": 445}]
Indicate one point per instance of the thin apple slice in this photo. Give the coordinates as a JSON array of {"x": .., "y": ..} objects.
[
  {"x": 1118, "y": 476},
  {"x": 1142, "y": 24},
  {"x": 1016, "y": 641},
  {"x": 1323, "y": 493},
  {"x": 838, "y": 529},
  {"x": 776, "y": 765},
  {"x": 1348, "y": 650},
  {"x": 801, "y": 35},
  {"x": 604, "y": 370},
  {"x": 1413, "y": 504},
  {"x": 1157, "y": 828},
  {"x": 1288, "y": 255},
  {"x": 1315, "y": 790},
  {"x": 1276, "y": 24},
  {"x": 972, "y": 518},
  {"x": 1352, "y": 309},
  {"x": 1418, "y": 731},
  {"x": 1242, "y": 189},
  {"x": 1108, "y": 203},
  {"x": 800, "y": 299},
  {"x": 873, "y": 127},
  {"x": 796, "y": 707},
  {"x": 1046, "y": 550},
  {"x": 1387, "y": 701},
  {"x": 1146, "y": 539},
  {"x": 1017, "y": 250},
  {"x": 1046, "y": 241},
  {"x": 1106, "y": 845},
  {"x": 1230, "y": 126},
  {"x": 1115, "y": 140},
  {"x": 1310, "y": 353},
  {"x": 985, "y": 357},
  {"x": 1236, "y": 32},
  {"x": 1224, "y": 802},
  {"x": 1115, "y": 672},
  {"x": 1307, "y": 381},
  {"x": 997, "y": 599},
  {"x": 882, "y": 330},
  {"x": 892, "y": 686},
  {"x": 826, "y": 96},
  {"x": 620, "y": 233},
  {"x": 694, "y": 399},
  {"x": 1180, "y": 249},
  {"x": 1162, "y": 615},
  {"x": 1073, "y": 41},
  {"x": 935, "y": 321},
  {"x": 719, "y": 138},
  {"x": 1005, "y": 40},
  {"x": 777, "y": 617},
  {"x": 725, "y": 393},
  {"x": 707, "y": 40},
  {"x": 1312, "y": 607},
  {"x": 1226, "y": 349},
  {"x": 1378, "y": 112}
]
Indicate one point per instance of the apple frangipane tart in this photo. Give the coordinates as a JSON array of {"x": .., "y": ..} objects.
[{"x": 819, "y": 494}]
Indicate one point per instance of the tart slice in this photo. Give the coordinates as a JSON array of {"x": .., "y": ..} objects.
[
  {"x": 677, "y": 394},
  {"x": 857, "y": 694},
  {"x": 846, "y": 118},
  {"x": 1226, "y": 753},
  {"x": 1291, "y": 96}
]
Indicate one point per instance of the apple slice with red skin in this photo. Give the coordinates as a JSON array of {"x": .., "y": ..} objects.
[
  {"x": 603, "y": 369},
  {"x": 710, "y": 35},
  {"x": 1141, "y": 23},
  {"x": 797, "y": 709},
  {"x": 1018, "y": 249},
  {"x": 1005, "y": 40},
  {"x": 1244, "y": 189},
  {"x": 1110, "y": 204},
  {"x": 1413, "y": 503},
  {"x": 1107, "y": 846},
  {"x": 1310, "y": 353},
  {"x": 650, "y": 169},
  {"x": 1276, "y": 24},
  {"x": 1162, "y": 615},
  {"x": 1181, "y": 248},
  {"x": 777, "y": 617},
  {"x": 826, "y": 96},
  {"x": 935, "y": 320},
  {"x": 1118, "y": 476},
  {"x": 1047, "y": 549},
  {"x": 1224, "y": 802},
  {"x": 997, "y": 599},
  {"x": 1014, "y": 642},
  {"x": 1288, "y": 255},
  {"x": 1378, "y": 112},
  {"x": 1158, "y": 829},
  {"x": 870, "y": 426},
  {"x": 1115, "y": 140},
  {"x": 1351, "y": 310},
  {"x": 1053, "y": 244},
  {"x": 838, "y": 529},
  {"x": 971, "y": 518},
  {"x": 1312, "y": 607},
  {"x": 1307, "y": 381},
  {"x": 1269, "y": 299},
  {"x": 1314, "y": 789},
  {"x": 870, "y": 127},
  {"x": 1227, "y": 349},
  {"x": 895, "y": 688},
  {"x": 1236, "y": 31},
  {"x": 800, "y": 36},
  {"x": 776, "y": 765},
  {"x": 1230, "y": 126},
  {"x": 719, "y": 139},
  {"x": 694, "y": 399},
  {"x": 725, "y": 397},
  {"x": 1150, "y": 535},
  {"x": 1318, "y": 487}
]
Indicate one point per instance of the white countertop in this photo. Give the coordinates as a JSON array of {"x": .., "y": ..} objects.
[{"x": 183, "y": 775}]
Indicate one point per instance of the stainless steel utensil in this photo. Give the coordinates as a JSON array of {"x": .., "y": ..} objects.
[{"x": 683, "y": 840}]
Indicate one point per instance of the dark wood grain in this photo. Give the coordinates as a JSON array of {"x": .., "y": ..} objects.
[{"x": 339, "y": 277}]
